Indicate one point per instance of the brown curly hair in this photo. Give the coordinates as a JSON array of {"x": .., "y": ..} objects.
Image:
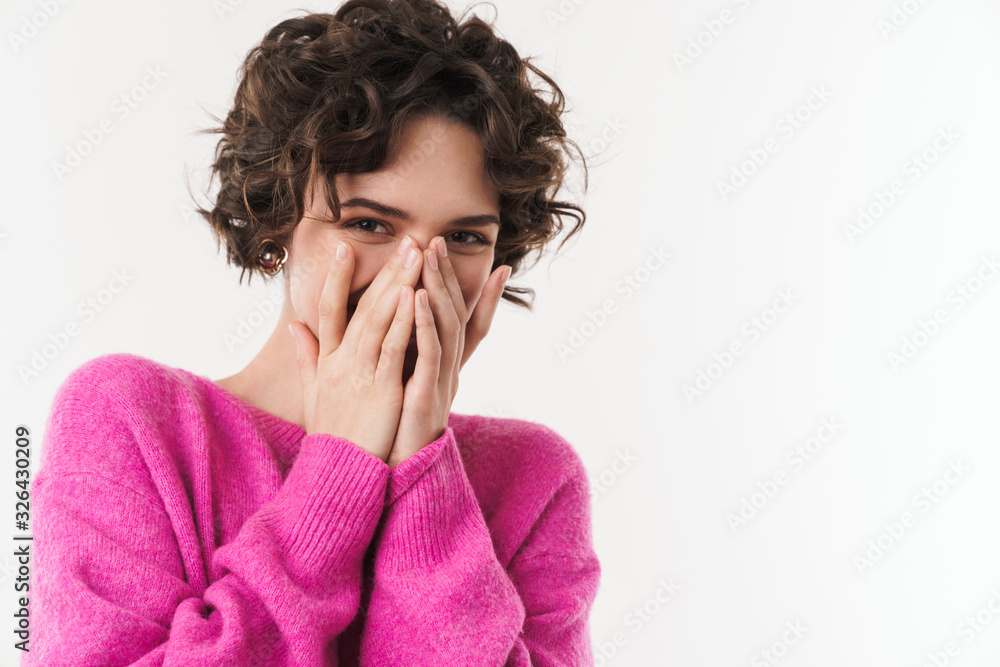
[{"x": 332, "y": 93}]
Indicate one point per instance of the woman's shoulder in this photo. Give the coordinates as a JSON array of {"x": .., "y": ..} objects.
[
  {"x": 514, "y": 444},
  {"x": 121, "y": 378},
  {"x": 115, "y": 364},
  {"x": 110, "y": 415}
]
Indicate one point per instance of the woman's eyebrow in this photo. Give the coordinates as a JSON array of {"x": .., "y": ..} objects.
[{"x": 384, "y": 209}]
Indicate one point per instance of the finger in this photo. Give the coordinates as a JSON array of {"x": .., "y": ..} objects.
[
  {"x": 449, "y": 278},
  {"x": 427, "y": 370},
  {"x": 306, "y": 351},
  {"x": 448, "y": 321},
  {"x": 333, "y": 299},
  {"x": 375, "y": 321},
  {"x": 387, "y": 278},
  {"x": 393, "y": 346},
  {"x": 485, "y": 309}
]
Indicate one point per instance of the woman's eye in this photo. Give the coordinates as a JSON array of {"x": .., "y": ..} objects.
[
  {"x": 368, "y": 226},
  {"x": 470, "y": 238},
  {"x": 357, "y": 224}
]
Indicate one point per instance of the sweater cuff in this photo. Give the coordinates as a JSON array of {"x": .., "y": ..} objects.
[
  {"x": 434, "y": 514},
  {"x": 329, "y": 504},
  {"x": 403, "y": 475}
]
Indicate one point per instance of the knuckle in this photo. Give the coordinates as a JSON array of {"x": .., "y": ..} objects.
[
  {"x": 325, "y": 309},
  {"x": 367, "y": 374},
  {"x": 374, "y": 320},
  {"x": 391, "y": 347}
]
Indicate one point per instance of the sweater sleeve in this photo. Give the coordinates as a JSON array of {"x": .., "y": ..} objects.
[
  {"x": 109, "y": 586},
  {"x": 440, "y": 594}
]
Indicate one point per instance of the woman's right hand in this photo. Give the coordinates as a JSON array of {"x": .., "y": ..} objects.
[{"x": 352, "y": 374}]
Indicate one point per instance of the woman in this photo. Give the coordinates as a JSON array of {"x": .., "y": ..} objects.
[{"x": 324, "y": 506}]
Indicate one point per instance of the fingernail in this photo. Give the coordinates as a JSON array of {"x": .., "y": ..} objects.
[
  {"x": 404, "y": 244},
  {"x": 341, "y": 251},
  {"x": 505, "y": 276},
  {"x": 411, "y": 259},
  {"x": 442, "y": 248},
  {"x": 433, "y": 260}
]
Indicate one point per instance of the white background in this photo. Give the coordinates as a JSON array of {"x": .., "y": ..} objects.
[{"x": 680, "y": 585}]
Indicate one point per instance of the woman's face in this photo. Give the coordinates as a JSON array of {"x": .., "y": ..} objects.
[{"x": 435, "y": 177}]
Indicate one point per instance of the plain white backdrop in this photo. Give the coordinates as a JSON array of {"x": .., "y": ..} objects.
[{"x": 790, "y": 422}]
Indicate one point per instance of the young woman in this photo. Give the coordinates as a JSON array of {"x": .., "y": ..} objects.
[{"x": 324, "y": 506}]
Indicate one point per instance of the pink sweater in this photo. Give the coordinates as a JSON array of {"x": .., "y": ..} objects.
[{"x": 176, "y": 524}]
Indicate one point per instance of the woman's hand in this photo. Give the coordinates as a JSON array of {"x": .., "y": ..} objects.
[
  {"x": 352, "y": 374},
  {"x": 443, "y": 349}
]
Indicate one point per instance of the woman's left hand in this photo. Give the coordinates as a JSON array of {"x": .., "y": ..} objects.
[{"x": 447, "y": 334}]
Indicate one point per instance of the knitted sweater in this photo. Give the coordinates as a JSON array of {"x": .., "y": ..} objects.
[{"x": 177, "y": 524}]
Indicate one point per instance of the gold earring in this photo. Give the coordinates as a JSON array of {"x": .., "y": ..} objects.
[{"x": 271, "y": 256}]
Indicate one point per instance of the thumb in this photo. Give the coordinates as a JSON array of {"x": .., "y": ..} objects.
[{"x": 307, "y": 349}]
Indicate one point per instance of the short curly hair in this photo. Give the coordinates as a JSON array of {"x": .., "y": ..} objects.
[{"x": 332, "y": 93}]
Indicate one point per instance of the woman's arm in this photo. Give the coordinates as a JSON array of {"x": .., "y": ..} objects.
[
  {"x": 110, "y": 586},
  {"x": 440, "y": 594}
]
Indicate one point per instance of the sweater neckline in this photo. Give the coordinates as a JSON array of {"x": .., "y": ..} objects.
[
  {"x": 287, "y": 435},
  {"x": 275, "y": 428}
]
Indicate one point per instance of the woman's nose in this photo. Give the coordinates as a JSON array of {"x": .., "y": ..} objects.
[{"x": 421, "y": 244}]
